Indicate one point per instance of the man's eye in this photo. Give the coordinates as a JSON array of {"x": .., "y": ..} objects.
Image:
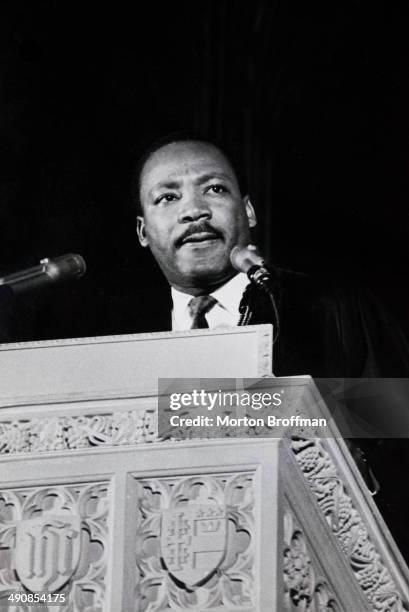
[
  {"x": 165, "y": 197},
  {"x": 217, "y": 188}
]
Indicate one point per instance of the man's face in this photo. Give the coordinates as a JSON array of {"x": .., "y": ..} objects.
[{"x": 193, "y": 214}]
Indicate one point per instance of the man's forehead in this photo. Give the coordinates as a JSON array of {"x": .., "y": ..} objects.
[{"x": 186, "y": 158}]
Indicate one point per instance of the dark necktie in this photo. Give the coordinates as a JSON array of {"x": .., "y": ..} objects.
[{"x": 198, "y": 307}]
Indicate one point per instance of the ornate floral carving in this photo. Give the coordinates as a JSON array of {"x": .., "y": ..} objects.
[
  {"x": 73, "y": 432},
  {"x": 302, "y": 589},
  {"x": 347, "y": 525},
  {"x": 55, "y": 538},
  {"x": 195, "y": 543}
]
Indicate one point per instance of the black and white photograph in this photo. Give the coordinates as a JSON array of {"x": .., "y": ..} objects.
[{"x": 204, "y": 298}]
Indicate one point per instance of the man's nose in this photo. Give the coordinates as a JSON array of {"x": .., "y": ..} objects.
[{"x": 193, "y": 208}]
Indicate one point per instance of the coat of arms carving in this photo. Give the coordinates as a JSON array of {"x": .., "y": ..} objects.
[
  {"x": 48, "y": 551},
  {"x": 193, "y": 541}
]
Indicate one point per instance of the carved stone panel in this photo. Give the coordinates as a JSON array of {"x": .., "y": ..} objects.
[
  {"x": 305, "y": 588},
  {"x": 348, "y": 526},
  {"x": 74, "y": 432},
  {"x": 54, "y": 539},
  {"x": 196, "y": 543}
]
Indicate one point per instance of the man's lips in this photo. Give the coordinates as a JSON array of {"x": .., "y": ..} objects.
[
  {"x": 199, "y": 237},
  {"x": 201, "y": 232}
]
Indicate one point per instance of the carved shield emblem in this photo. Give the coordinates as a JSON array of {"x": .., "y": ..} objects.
[
  {"x": 47, "y": 551},
  {"x": 193, "y": 541}
]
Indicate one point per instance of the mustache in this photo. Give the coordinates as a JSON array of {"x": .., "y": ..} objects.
[{"x": 195, "y": 228}]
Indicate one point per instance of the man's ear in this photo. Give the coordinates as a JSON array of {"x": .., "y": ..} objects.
[
  {"x": 140, "y": 230},
  {"x": 250, "y": 212}
]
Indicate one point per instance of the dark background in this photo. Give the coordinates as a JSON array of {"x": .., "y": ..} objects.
[{"x": 313, "y": 96}]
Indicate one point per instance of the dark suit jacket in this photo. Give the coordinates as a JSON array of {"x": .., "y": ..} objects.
[{"x": 331, "y": 332}]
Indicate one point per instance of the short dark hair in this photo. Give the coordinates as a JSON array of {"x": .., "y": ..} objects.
[{"x": 171, "y": 138}]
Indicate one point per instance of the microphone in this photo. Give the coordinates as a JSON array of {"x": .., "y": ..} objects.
[
  {"x": 49, "y": 271},
  {"x": 248, "y": 260}
]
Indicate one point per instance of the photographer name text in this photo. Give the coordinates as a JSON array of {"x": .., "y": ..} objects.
[{"x": 246, "y": 421}]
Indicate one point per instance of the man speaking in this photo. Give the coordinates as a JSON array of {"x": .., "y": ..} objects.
[{"x": 193, "y": 210}]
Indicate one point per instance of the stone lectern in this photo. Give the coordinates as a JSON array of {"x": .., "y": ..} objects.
[{"x": 98, "y": 509}]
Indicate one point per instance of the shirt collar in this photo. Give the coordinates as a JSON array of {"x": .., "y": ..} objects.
[{"x": 228, "y": 295}]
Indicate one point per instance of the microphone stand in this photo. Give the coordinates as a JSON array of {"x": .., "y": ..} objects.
[{"x": 259, "y": 277}]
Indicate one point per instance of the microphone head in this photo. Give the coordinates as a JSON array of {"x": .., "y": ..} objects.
[
  {"x": 243, "y": 258},
  {"x": 65, "y": 267}
]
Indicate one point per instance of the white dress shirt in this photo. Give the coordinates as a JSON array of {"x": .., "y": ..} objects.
[{"x": 225, "y": 312}]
